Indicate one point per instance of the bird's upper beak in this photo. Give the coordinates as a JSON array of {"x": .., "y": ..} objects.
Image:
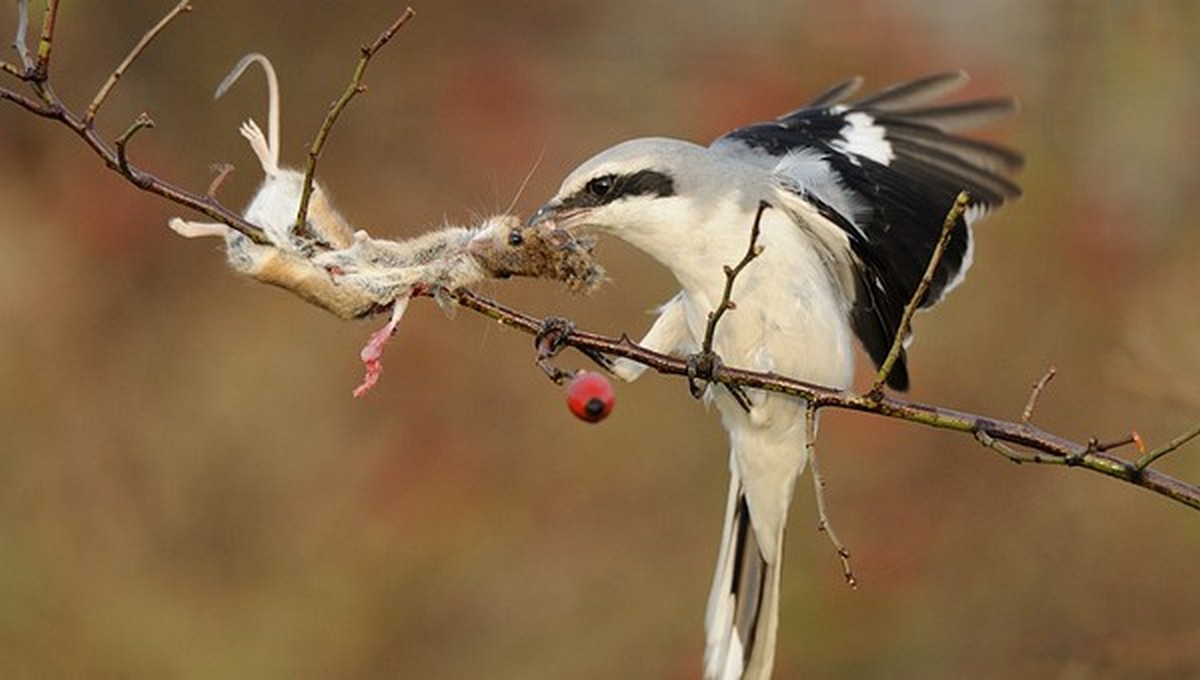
[{"x": 544, "y": 214}]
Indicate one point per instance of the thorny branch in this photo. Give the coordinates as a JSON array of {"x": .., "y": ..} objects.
[
  {"x": 1050, "y": 447},
  {"x": 1019, "y": 441}
]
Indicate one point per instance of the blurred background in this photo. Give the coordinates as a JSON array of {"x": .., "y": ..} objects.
[{"x": 187, "y": 489}]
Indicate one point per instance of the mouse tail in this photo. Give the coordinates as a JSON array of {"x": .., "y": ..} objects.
[{"x": 265, "y": 147}]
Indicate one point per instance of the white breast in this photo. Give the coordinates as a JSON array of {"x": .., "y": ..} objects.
[{"x": 791, "y": 315}]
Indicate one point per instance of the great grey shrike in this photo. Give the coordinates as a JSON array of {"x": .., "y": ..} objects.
[{"x": 857, "y": 194}]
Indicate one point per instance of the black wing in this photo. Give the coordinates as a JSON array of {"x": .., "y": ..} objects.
[{"x": 886, "y": 169}]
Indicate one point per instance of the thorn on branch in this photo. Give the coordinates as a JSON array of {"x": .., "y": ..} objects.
[
  {"x": 353, "y": 88},
  {"x": 885, "y": 369},
  {"x": 134, "y": 53},
  {"x": 1036, "y": 393}
]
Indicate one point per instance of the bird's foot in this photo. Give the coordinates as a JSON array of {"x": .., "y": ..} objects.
[
  {"x": 549, "y": 341},
  {"x": 703, "y": 369}
]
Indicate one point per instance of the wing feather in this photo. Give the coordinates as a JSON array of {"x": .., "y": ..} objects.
[{"x": 885, "y": 169}]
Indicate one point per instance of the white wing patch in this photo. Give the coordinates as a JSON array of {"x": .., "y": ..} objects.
[
  {"x": 974, "y": 213},
  {"x": 967, "y": 260},
  {"x": 862, "y": 137}
]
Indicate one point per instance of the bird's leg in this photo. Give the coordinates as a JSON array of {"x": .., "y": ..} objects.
[
  {"x": 602, "y": 360},
  {"x": 739, "y": 395}
]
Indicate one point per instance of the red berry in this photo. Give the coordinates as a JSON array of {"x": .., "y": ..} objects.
[{"x": 590, "y": 396}]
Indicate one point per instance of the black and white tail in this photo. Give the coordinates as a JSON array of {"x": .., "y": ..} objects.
[{"x": 743, "y": 607}]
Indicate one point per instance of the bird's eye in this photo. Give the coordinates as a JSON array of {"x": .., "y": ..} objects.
[
  {"x": 516, "y": 238},
  {"x": 601, "y": 187}
]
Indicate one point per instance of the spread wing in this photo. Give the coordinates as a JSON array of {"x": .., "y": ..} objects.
[{"x": 885, "y": 169}]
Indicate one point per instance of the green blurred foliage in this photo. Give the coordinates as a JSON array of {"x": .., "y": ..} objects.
[{"x": 188, "y": 491}]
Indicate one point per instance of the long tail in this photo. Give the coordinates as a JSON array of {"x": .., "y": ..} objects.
[
  {"x": 267, "y": 149},
  {"x": 743, "y": 607}
]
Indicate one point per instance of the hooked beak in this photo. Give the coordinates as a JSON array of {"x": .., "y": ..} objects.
[{"x": 544, "y": 214}]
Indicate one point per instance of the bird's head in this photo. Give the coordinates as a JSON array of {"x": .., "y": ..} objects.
[{"x": 637, "y": 190}]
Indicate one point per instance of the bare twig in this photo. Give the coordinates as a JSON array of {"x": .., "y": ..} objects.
[
  {"x": 21, "y": 45},
  {"x": 41, "y": 70},
  {"x": 1149, "y": 459},
  {"x": 21, "y": 42},
  {"x": 823, "y": 523},
  {"x": 26, "y": 103},
  {"x": 119, "y": 71},
  {"x": 893, "y": 355},
  {"x": 353, "y": 88},
  {"x": 1131, "y": 438},
  {"x": 753, "y": 250},
  {"x": 1036, "y": 393},
  {"x": 140, "y": 123},
  {"x": 1014, "y": 455}
]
